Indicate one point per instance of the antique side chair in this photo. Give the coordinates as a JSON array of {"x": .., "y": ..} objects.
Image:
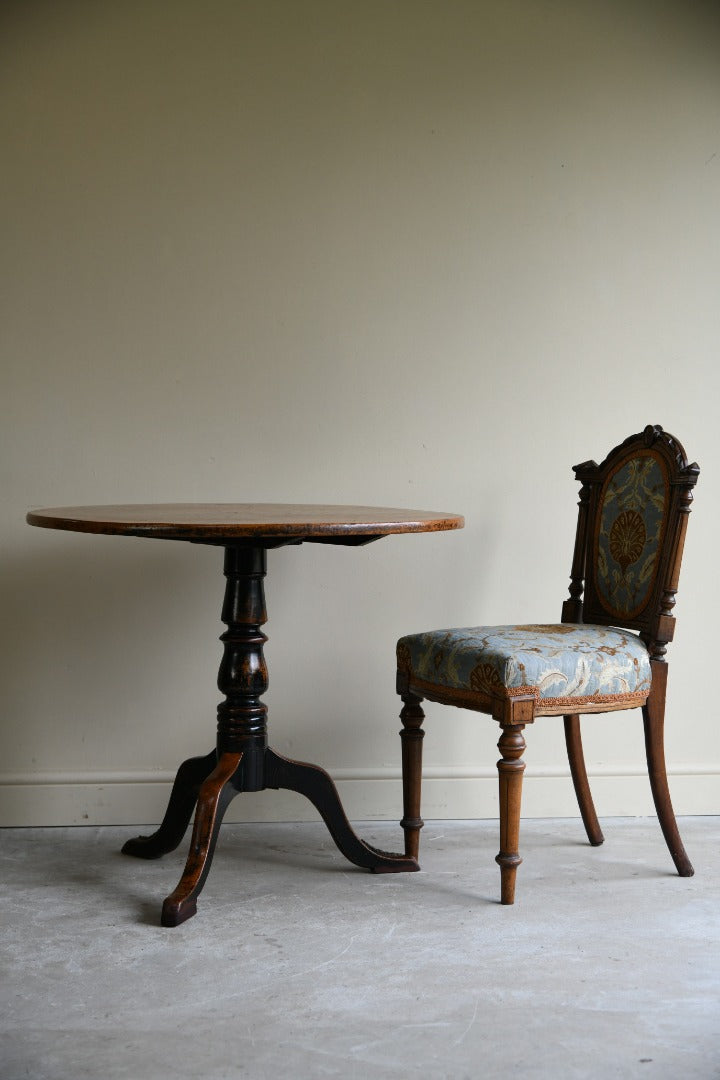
[{"x": 607, "y": 653}]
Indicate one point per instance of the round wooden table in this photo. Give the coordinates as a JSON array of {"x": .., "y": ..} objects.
[{"x": 242, "y": 759}]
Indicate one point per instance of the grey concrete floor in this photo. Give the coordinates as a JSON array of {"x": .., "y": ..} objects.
[{"x": 299, "y": 965}]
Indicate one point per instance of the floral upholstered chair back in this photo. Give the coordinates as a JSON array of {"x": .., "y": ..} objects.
[{"x": 631, "y": 529}]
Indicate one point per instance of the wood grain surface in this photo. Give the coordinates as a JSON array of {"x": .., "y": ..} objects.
[{"x": 189, "y": 521}]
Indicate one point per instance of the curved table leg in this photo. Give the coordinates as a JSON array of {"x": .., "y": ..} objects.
[
  {"x": 191, "y": 774},
  {"x": 214, "y": 797},
  {"x": 317, "y": 786}
]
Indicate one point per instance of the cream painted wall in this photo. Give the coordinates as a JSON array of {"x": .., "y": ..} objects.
[{"x": 410, "y": 253}]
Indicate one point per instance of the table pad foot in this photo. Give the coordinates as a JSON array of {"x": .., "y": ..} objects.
[
  {"x": 317, "y": 786},
  {"x": 183, "y": 798},
  {"x": 175, "y": 913},
  {"x": 390, "y": 862}
]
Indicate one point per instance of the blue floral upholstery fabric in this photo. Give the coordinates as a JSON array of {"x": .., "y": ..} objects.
[
  {"x": 557, "y": 664},
  {"x": 632, "y": 515}
]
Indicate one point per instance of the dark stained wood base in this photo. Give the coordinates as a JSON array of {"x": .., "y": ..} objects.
[
  {"x": 183, "y": 799},
  {"x": 243, "y": 761},
  {"x": 213, "y": 797},
  {"x": 317, "y": 786}
]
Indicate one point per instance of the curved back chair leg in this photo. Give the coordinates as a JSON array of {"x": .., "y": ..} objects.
[
  {"x": 573, "y": 742},
  {"x": 411, "y": 736},
  {"x": 654, "y": 722},
  {"x": 510, "y": 772}
]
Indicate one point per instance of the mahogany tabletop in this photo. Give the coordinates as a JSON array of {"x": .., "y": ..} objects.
[{"x": 249, "y": 521}]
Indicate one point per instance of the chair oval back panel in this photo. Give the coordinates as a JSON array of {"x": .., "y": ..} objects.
[
  {"x": 628, "y": 535},
  {"x": 631, "y": 529}
]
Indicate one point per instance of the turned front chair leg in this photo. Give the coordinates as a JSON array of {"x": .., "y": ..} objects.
[
  {"x": 654, "y": 722},
  {"x": 411, "y": 737},
  {"x": 510, "y": 773},
  {"x": 573, "y": 742}
]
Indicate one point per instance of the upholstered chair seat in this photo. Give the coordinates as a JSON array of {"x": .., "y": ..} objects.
[
  {"x": 607, "y": 653},
  {"x": 558, "y": 665}
]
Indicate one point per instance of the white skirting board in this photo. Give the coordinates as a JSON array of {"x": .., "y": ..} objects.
[{"x": 139, "y": 798}]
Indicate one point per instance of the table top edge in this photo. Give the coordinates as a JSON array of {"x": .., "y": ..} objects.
[{"x": 187, "y": 521}]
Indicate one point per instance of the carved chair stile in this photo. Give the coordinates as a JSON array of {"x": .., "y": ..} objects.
[{"x": 606, "y": 654}]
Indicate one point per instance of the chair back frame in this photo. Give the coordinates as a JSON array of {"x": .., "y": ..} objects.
[{"x": 645, "y": 486}]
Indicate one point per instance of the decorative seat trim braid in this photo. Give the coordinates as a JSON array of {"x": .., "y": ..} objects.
[
  {"x": 559, "y": 667},
  {"x": 487, "y": 703}
]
